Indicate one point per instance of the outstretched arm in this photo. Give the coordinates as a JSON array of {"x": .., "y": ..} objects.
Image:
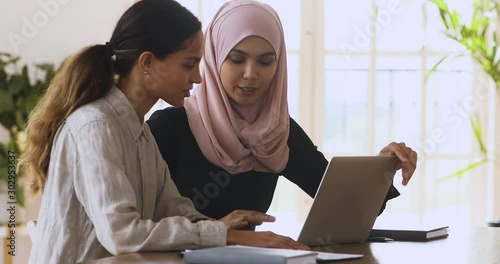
[{"x": 307, "y": 164}]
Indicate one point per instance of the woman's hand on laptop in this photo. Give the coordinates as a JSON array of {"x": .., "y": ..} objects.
[
  {"x": 262, "y": 239},
  {"x": 406, "y": 155},
  {"x": 241, "y": 218}
]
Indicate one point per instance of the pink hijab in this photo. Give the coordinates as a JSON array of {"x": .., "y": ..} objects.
[{"x": 235, "y": 137}]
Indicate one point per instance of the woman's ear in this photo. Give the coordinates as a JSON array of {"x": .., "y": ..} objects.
[{"x": 146, "y": 61}]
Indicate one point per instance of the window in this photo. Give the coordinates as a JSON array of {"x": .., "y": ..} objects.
[
  {"x": 375, "y": 56},
  {"x": 357, "y": 82}
]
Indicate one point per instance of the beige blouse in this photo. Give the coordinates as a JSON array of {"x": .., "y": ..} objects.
[{"x": 109, "y": 191}]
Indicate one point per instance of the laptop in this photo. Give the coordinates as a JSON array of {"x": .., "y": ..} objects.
[{"x": 348, "y": 200}]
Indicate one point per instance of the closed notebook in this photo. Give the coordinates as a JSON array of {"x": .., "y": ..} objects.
[
  {"x": 249, "y": 255},
  {"x": 416, "y": 233}
]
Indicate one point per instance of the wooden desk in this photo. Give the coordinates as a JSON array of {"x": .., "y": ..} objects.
[{"x": 481, "y": 245}]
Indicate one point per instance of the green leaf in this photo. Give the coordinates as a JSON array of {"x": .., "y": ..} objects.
[
  {"x": 8, "y": 59},
  {"x": 31, "y": 101},
  {"x": 45, "y": 67},
  {"x": 3, "y": 162},
  {"x": 455, "y": 19},
  {"x": 16, "y": 84},
  {"x": 3, "y": 167},
  {"x": 3, "y": 80},
  {"x": 475, "y": 123},
  {"x": 6, "y": 103},
  {"x": 434, "y": 68},
  {"x": 20, "y": 120},
  {"x": 439, "y": 3},
  {"x": 474, "y": 23},
  {"x": 7, "y": 119},
  {"x": 19, "y": 193},
  {"x": 21, "y": 113},
  {"x": 444, "y": 12},
  {"x": 3, "y": 151},
  {"x": 460, "y": 172}
]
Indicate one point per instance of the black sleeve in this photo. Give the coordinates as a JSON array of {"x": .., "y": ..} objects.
[
  {"x": 306, "y": 164},
  {"x": 163, "y": 132},
  {"x": 392, "y": 193}
]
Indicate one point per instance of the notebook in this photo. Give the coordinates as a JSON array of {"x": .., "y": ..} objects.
[
  {"x": 254, "y": 255},
  {"x": 411, "y": 233},
  {"x": 249, "y": 255},
  {"x": 348, "y": 200}
]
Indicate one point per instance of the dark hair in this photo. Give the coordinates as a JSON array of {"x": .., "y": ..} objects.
[{"x": 159, "y": 26}]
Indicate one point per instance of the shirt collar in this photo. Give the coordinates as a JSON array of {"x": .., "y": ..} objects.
[{"x": 125, "y": 111}]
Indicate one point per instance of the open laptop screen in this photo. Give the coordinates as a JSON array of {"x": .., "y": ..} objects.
[{"x": 348, "y": 199}]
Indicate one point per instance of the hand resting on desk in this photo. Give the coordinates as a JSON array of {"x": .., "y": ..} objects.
[{"x": 242, "y": 218}]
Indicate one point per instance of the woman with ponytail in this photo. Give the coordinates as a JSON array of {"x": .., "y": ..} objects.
[{"x": 106, "y": 189}]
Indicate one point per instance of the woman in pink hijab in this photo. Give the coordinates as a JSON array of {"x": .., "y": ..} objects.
[{"x": 234, "y": 137}]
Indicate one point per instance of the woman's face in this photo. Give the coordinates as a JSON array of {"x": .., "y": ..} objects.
[
  {"x": 172, "y": 78},
  {"x": 248, "y": 69}
]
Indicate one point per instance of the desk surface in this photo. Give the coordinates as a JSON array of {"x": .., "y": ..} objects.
[{"x": 480, "y": 245}]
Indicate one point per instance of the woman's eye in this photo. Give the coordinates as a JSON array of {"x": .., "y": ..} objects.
[
  {"x": 265, "y": 62},
  {"x": 236, "y": 60},
  {"x": 190, "y": 66}
]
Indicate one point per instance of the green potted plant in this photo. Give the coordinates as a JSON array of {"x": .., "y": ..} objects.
[
  {"x": 480, "y": 38},
  {"x": 19, "y": 93}
]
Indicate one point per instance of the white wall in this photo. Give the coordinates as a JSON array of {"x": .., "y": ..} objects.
[{"x": 49, "y": 30}]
